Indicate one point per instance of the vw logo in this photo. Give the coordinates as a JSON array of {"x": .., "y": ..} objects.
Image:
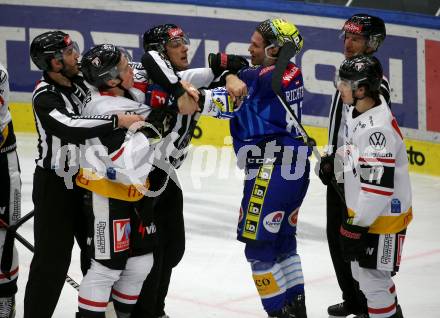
[{"x": 377, "y": 140}]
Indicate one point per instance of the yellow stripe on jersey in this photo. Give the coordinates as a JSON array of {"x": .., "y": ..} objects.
[
  {"x": 388, "y": 224},
  {"x": 266, "y": 284},
  {"x": 107, "y": 188},
  {"x": 256, "y": 202},
  {"x": 5, "y": 133}
]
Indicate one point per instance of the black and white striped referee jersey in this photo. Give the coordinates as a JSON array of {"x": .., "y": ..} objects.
[{"x": 57, "y": 110}]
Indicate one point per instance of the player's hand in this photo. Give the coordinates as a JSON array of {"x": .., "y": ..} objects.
[
  {"x": 126, "y": 121},
  {"x": 187, "y": 105},
  {"x": 353, "y": 241},
  {"x": 326, "y": 169},
  {"x": 221, "y": 62},
  {"x": 191, "y": 90},
  {"x": 236, "y": 88}
]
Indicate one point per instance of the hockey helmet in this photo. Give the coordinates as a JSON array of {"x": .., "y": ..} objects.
[
  {"x": 100, "y": 64},
  {"x": 277, "y": 32},
  {"x": 360, "y": 70},
  {"x": 50, "y": 45},
  {"x": 157, "y": 37},
  {"x": 371, "y": 27}
]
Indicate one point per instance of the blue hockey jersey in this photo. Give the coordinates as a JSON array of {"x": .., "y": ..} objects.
[{"x": 261, "y": 117}]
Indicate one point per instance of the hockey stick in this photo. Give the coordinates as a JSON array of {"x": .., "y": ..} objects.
[
  {"x": 287, "y": 52},
  {"x": 8, "y": 246},
  {"x": 26, "y": 243}
]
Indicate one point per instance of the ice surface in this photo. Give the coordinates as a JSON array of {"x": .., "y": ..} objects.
[{"x": 214, "y": 279}]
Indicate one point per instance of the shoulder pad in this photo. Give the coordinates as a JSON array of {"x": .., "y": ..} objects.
[{"x": 45, "y": 87}]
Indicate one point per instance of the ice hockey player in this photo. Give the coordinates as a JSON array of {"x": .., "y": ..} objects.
[
  {"x": 270, "y": 148},
  {"x": 10, "y": 196},
  {"x": 121, "y": 229},
  {"x": 362, "y": 34},
  {"x": 377, "y": 186}
]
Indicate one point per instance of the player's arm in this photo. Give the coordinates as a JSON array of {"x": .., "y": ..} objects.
[
  {"x": 161, "y": 72},
  {"x": 52, "y": 114}
]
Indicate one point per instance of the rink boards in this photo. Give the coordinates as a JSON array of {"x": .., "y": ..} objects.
[{"x": 413, "y": 41}]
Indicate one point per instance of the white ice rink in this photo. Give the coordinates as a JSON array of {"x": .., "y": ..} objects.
[{"x": 214, "y": 279}]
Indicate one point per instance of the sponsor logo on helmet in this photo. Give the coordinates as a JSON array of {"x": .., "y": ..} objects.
[
  {"x": 293, "y": 217},
  {"x": 67, "y": 40},
  {"x": 96, "y": 62},
  {"x": 175, "y": 33},
  {"x": 351, "y": 27},
  {"x": 359, "y": 66},
  {"x": 272, "y": 221}
]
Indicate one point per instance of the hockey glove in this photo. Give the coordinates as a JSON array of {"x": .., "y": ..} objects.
[
  {"x": 221, "y": 62},
  {"x": 326, "y": 169},
  {"x": 353, "y": 241},
  {"x": 161, "y": 119},
  {"x": 156, "y": 96}
]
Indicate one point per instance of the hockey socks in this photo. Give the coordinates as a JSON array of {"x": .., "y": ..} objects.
[
  {"x": 292, "y": 270},
  {"x": 271, "y": 284}
]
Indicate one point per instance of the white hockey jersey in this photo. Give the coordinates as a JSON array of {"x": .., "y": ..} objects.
[
  {"x": 376, "y": 178},
  {"x": 116, "y": 166},
  {"x": 5, "y": 115}
]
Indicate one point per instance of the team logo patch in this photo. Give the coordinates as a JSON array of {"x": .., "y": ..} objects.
[
  {"x": 377, "y": 140},
  {"x": 272, "y": 221},
  {"x": 293, "y": 217},
  {"x": 395, "y": 206},
  {"x": 121, "y": 235}
]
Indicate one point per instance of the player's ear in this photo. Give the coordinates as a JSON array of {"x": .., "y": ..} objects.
[
  {"x": 273, "y": 51},
  {"x": 55, "y": 65}
]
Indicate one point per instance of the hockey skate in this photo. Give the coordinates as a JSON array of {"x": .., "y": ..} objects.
[
  {"x": 298, "y": 307},
  {"x": 340, "y": 310},
  {"x": 7, "y": 307},
  {"x": 284, "y": 312}
]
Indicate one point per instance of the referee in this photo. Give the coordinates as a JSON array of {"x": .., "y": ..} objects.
[{"x": 363, "y": 34}]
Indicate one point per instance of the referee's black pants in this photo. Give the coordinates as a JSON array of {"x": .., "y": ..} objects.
[
  {"x": 58, "y": 219},
  {"x": 351, "y": 293},
  {"x": 168, "y": 212}
]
